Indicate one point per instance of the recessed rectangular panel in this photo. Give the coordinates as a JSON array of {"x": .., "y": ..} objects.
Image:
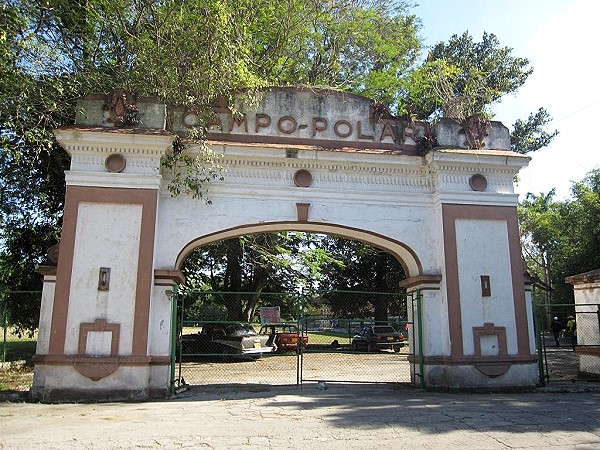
[
  {"x": 99, "y": 343},
  {"x": 486, "y": 289},
  {"x": 482, "y": 249},
  {"x": 489, "y": 345},
  {"x": 108, "y": 236}
]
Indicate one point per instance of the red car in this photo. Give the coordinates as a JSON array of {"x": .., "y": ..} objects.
[{"x": 284, "y": 336}]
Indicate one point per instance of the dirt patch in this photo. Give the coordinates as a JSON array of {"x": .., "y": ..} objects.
[{"x": 380, "y": 367}]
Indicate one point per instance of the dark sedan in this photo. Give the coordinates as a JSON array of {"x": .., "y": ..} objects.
[{"x": 376, "y": 337}]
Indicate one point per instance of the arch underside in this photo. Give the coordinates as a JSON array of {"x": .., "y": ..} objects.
[{"x": 404, "y": 254}]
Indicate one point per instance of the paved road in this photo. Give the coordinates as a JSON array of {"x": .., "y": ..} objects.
[{"x": 339, "y": 417}]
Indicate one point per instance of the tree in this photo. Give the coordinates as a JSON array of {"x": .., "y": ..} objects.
[
  {"x": 529, "y": 135},
  {"x": 483, "y": 72},
  {"x": 538, "y": 235},
  {"x": 369, "y": 271},
  {"x": 247, "y": 267},
  {"x": 562, "y": 238},
  {"x": 189, "y": 54},
  {"x": 461, "y": 78},
  {"x": 300, "y": 263},
  {"x": 54, "y": 52}
]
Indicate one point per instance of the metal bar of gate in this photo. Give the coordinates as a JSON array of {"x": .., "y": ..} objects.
[
  {"x": 174, "y": 299},
  {"x": 306, "y": 368},
  {"x": 540, "y": 346},
  {"x": 300, "y": 348},
  {"x": 420, "y": 330}
]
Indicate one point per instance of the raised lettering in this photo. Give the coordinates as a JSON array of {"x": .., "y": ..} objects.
[
  {"x": 360, "y": 133},
  {"x": 318, "y": 124},
  {"x": 342, "y": 123},
  {"x": 287, "y": 125},
  {"x": 387, "y": 131},
  {"x": 215, "y": 122},
  {"x": 261, "y": 121},
  {"x": 238, "y": 121}
]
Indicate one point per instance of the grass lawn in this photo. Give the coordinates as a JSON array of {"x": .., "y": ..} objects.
[
  {"x": 16, "y": 379},
  {"x": 326, "y": 337},
  {"x": 19, "y": 350},
  {"x": 19, "y": 376}
]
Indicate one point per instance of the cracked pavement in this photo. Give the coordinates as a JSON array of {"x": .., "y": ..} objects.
[{"x": 344, "y": 416}]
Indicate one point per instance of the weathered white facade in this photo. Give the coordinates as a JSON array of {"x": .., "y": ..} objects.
[
  {"x": 318, "y": 161},
  {"x": 586, "y": 287}
]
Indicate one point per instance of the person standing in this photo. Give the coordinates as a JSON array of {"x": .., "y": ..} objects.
[
  {"x": 556, "y": 327},
  {"x": 572, "y": 330}
]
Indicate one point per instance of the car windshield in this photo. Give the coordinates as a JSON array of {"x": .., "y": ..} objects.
[
  {"x": 240, "y": 330},
  {"x": 383, "y": 330}
]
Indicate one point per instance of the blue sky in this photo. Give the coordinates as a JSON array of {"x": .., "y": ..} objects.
[{"x": 561, "y": 39}]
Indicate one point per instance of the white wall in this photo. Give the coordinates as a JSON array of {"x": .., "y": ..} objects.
[
  {"x": 159, "y": 330},
  {"x": 482, "y": 249},
  {"x": 43, "y": 341},
  {"x": 107, "y": 236}
]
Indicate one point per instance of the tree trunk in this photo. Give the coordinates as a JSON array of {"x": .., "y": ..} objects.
[
  {"x": 260, "y": 283},
  {"x": 233, "y": 280},
  {"x": 380, "y": 302},
  {"x": 381, "y": 309}
]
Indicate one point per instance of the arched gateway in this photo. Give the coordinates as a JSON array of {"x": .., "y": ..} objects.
[{"x": 308, "y": 160}]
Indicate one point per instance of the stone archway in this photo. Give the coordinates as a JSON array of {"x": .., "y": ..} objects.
[
  {"x": 308, "y": 160},
  {"x": 405, "y": 256}
]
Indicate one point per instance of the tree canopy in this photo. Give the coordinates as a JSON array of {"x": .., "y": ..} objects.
[
  {"x": 307, "y": 265},
  {"x": 190, "y": 53},
  {"x": 562, "y": 238}
]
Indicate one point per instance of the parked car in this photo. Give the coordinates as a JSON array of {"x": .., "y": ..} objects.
[
  {"x": 376, "y": 337},
  {"x": 284, "y": 336},
  {"x": 226, "y": 339}
]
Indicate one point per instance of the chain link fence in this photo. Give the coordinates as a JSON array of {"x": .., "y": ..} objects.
[
  {"x": 17, "y": 346},
  {"x": 288, "y": 339},
  {"x": 568, "y": 341}
]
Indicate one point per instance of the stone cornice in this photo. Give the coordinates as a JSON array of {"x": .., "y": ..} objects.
[
  {"x": 327, "y": 165},
  {"x": 427, "y": 281},
  {"x": 477, "y": 198},
  {"x": 112, "y": 180},
  {"x": 459, "y": 160},
  {"x": 83, "y": 140},
  {"x": 592, "y": 276}
]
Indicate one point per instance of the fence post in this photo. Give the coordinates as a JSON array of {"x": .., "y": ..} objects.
[
  {"x": 173, "y": 337},
  {"x": 4, "y": 324},
  {"x": 598, "y": 315},
  {"x": 539, "y": 337},
  {"x": 420, "y": 328}
]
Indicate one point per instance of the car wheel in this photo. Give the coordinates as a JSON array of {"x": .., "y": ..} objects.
[
  {"x": 355, "y": 346},
  {"x": 371, "y": 347},
  {"x": 397, "y": 349}
]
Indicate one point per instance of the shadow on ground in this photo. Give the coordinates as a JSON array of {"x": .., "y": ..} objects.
[{"x": 383, "y": 406}]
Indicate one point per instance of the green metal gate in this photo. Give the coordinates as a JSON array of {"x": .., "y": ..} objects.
[
  {"x": 558, "y": 346},
  {"x": 324, "y": 334}
]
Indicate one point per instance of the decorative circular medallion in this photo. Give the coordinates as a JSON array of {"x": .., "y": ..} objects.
[
  {"x": 115, "y": 163},
  {"x": 303, "y": 178},
  {"x": 478, "y": 182},
  {"x": 190, "y": 119}
]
